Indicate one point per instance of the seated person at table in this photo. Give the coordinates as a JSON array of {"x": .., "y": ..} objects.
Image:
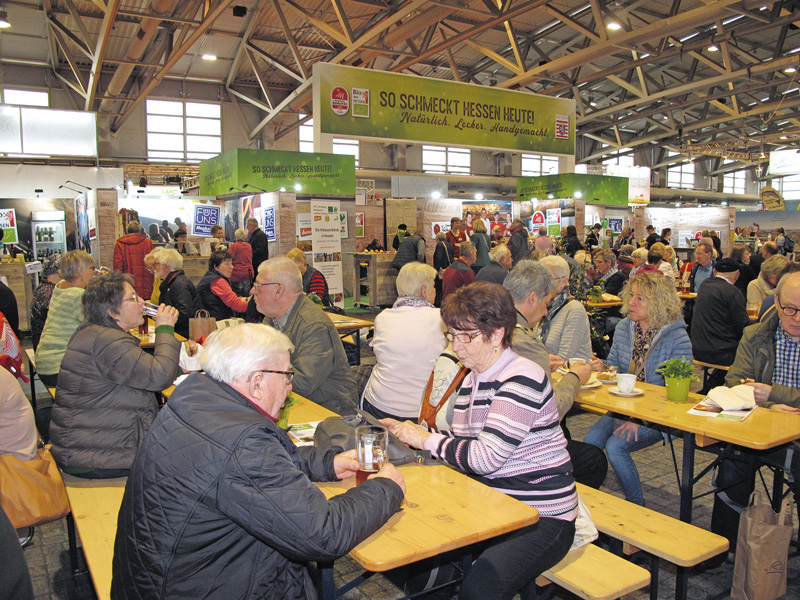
[
  {"x": 460, "y": 272},
  {"x": 768, "y": 305},
  {"x": 182, "y": 245},
  {"x": 408, "y": 339},
  {"x": 218, "y": 242},
  {"x": 639, "y": 257},
  {"x": 767, "y": 357},
  {"x": 565, "y": 328},
  {"x": 40, "y": 304},
  {"x": 506, "y": 435},
  {"x": 106, "y": 396},
  {"x": 314, "y": 282},
  {"x": 764, "y": 285},
  {"x": 741, "y": 254},
  {"x": 499, "y": 265},
  {"x": 531, "y": 286},
  {"x": 322, "y": 373},
  {"x": 214, "y": 293},
  {"x": 65, "y": 314},
  {"x": 652, "y": 332},
  {"x": 718, "y": 320},
  {"x": 663, "y": 265},
  {"x": 610, "y": 277},
  {"x": 18, "y": 435},
  {"x": 176, "y": 288},
  {"x": 625, "y": 260},
  {"x": 220, "y": 503}
]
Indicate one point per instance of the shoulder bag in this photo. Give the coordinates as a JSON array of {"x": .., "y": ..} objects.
[{"x": 32, "y": 491}]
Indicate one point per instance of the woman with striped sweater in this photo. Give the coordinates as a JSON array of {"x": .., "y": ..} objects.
[{"x": 506, "y": 435}]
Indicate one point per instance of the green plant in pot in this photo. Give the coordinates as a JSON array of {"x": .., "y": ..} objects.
[
  {"x": 678, "y": 375},
  {"x": 283, "y": 415}
]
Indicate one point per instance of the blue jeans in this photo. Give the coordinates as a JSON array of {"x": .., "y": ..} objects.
[{"x": 619, "y": 453}]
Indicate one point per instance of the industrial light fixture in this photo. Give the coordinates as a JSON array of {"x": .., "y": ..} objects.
[
  {"x": 209, "y": 57},
  {"x": 713, "y": 48},
  {"x": 436, "y": 195},
  {"x": 613, "y": 26},
  {"x": 298, "y": 187},
  {"x": 478, "y": 196},
  {"x": 262, "y": 190},
  {"x": 723, "y": 203},
  {"x": 790, "y": 70},
  {"x": 4, "y": 22}
]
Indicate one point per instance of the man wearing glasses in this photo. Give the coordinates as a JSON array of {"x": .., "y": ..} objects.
[
  {"x": 322, "y": 373},
  {"x": 768, "y": 359}
]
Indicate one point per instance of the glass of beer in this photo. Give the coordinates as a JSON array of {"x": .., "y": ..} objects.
[
  {"x": 371, "y": 450},
  {"x": 752, "y": 310}
]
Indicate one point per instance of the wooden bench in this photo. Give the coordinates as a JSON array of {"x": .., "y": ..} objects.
[
  {"x": 661, "y": 536},
  {"x": 707, "y": 367}
]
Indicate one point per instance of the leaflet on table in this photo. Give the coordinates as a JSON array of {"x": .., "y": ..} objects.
[
  {"x": 302, "y": 434},
  {"x": 707, "y": 408},
  {"x": 734, "y": 403}
]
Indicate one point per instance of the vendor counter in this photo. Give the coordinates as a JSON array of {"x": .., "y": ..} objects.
[
  {"x": 194, "y": 267},
  {"x": 23, "y": 285}
]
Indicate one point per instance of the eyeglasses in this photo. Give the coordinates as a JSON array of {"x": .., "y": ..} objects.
[
  {"x": 288, "y": 374},
  {"x": 134, "y": 298},
  {"x": 465, "y": 337},
  {"x": 789, "y": 311},
  {"x": 257, "y": 285}
]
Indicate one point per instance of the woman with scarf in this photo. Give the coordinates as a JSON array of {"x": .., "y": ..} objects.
[
  {"x": 565, "y": 329},
  {"x": 408, "y": 339}
]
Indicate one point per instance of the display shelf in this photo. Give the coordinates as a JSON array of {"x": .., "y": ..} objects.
[{"x": 378, "y": 287}]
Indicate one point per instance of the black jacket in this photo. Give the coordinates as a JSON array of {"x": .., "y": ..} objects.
[
  {"x": 409, "y": 251},
  {"x": 518, "y": 244},
  {"x": 746, "y": 275},
  {"x": 615, "y": 283},
  {"x": 591, "y": 240},
  {"x": 259, "y": 243},
  {"x": 492, "y": 273},
  {"x": 571, "y": 245},
  {"x": 178, "y": 290},
  {"x": 442, "y": 255},
  {"x": 220, "y": 504},
  {"x": 718, "y": 320},
  {"x": 205, "y": 299}
]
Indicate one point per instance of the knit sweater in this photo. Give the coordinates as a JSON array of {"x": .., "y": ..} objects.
[
  {"x": 569, "y": 335},
  {"x": 63, "y": 318},
  {"x": 507, "y": 436}
]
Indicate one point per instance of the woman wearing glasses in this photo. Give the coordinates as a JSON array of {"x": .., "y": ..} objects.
[
  {"x": 505, "y": 434},
  {"x": 106, "y": 395}
]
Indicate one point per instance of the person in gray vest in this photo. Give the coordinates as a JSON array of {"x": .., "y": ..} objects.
[{"x": 412, "y": 248}]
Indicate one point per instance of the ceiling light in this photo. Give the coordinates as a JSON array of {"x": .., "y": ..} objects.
[
  {"x": 677, "y": 205},
  {"x": 579, "y": 194},
  {"x": 478, "y": 196},
  {"x": 298, "y": 187},
  {"x": 790, "y": 70},
  {"x": 4, "y": 22},
  {"x": 613, "y": 26},
  {"x": 436, "y": 195},
  {"x": 592, "y": 103},
  {"x": 209, "y": 57},
  {"x": 723, "y": 203},
  {"x": 713, "y": 48}
]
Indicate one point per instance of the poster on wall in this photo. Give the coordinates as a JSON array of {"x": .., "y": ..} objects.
[
  {"x": 205, "y": 217},
  {"x": 304, "y": 232},
  {"x": 8, "y": 221},
  {"x": 491, "y": 212},
  {"x": 615, "y": 225},
  {"x": 343, "y": 223},
  {"x": 327, "y": 245},
  {"x": 553, "y": 216},
  {"x": 82, "y": 219},
  {"x": 269, "y": 223},
  {"x": 359, "y": 225}
]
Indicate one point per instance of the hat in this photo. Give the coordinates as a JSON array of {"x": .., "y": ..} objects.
[
  {"x": 51, "y": 264},
  {"x": 726, "y": 265}
]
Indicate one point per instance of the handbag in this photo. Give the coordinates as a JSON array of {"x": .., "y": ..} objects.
[
  {"x": 32, "y": 491},
  {"x": 201, "y": 325},
  {"x": 339, "y": 433},
  {"x": 440, "y": 392},
  {"x": 762, "y": 551}
]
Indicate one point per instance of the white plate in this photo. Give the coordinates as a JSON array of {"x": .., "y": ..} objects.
[
  {"x": 592, "y": 385},
  {"x": 608, "y": 381},
  {"x": 615, "y": 391}
]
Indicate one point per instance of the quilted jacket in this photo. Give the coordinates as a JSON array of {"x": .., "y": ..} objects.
[
  {"x": 178, "y": 290},
  {"x": 671, "y": 342},
  {"x": 220, "y": 504}
]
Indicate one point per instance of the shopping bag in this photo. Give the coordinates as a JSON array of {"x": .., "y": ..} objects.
[
  {"x": 32, "y": 491},
  {"x": 585, "y": 530},
  {"x": 441, "y": 391},
  {"x": 762, "y": 551},
  {"x": 201, "y": 325}
]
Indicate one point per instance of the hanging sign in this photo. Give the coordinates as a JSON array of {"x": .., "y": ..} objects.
[{"x": 205, "y": 217}]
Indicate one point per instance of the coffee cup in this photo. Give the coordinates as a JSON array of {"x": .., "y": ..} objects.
[{"x": 626, "y": 382}]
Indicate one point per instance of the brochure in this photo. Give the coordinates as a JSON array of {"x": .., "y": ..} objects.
[
  {"x": 302, "y": 434},
  {"x": 735, "y": 404}
]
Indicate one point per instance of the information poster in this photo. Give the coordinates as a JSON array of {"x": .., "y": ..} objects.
[
  {"x": 327, "y": 245},
  {"x": 554, "y": 221},
  {"x": 343, "y": 223},
  {"x": 615, "y": 225},
  {"x": 359, "y": 225},
  {"x": 8, "y": 222},
  {"x": 205, "y": 217}
]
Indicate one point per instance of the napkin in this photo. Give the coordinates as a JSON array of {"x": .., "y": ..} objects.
[
  {"x": 189, "y": 363},
  {"x": 739, "y": 397}
]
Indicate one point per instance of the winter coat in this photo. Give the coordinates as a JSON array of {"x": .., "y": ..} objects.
[
  {"x": 411, "y": 249},
  {"x": 242, "y": 262},
  {"x": 105, "y": 400},
  {"x": 518, "y": 244},
  {"x": 220, "y": 504},
  {"x": 718, "y": 320},
  {"x": 443, "y": 256},
  {"x": 260, "y": 246},
  {"x": 671, "y": 342},
  {"x": 482, "y": 244},
  {"x": 178, "y": 290},
  {"x": 205, "y": 299},
  {"x": 129, "y": 253}
]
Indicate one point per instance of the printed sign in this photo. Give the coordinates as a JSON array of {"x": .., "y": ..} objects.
[
  {"x": 340, "y": 101},
  {"x": 205, "y": 217},
  {"x": 8, "y": 222},
  {"x": 359, "y": 225},
  {"x": 538, "y": 218},
  {"x": 553, "y": 221},
  {"x": 327, "y": 245},
  {"x": 343, "y": 223},
  {"x": 268, "y": 221},
  {"x": 361, "y": 102}
]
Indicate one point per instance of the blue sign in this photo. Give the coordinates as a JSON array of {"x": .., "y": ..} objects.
[
  {"x": 269, "y": 223},
  {"x": 205, "y": 217},
  {"x": 615, "y": 225}
]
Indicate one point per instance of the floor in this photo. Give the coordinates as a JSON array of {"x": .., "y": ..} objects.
[{"x": 48, "y": 556}]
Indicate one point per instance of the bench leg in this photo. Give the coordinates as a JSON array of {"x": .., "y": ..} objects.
[
  {"x": 681, "y": 583},
  {"x": 32, "y": 375},
  {"x": 653, "y": 577},
  {"x": 327, "y": 590},
  {"x": 73, "y": 546}
]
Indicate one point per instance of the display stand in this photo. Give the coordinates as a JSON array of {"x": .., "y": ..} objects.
[
  {"x": 23, "y": 286},
  {"x": 378, "y": 286}
]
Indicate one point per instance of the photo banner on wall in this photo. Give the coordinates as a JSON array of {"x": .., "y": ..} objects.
[
  {"x": 594, "y": 189},
  {"x": 326, "y": 241},
  {"x": 366, "y": 103}
]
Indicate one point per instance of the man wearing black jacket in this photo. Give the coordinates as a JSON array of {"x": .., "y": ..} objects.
[{"x": 258, "y": 242}]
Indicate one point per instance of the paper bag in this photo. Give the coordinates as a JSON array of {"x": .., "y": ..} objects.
[
  {"x": 201, "y": 325},
  {"x": 762, "y": 551},
  {"x": 32, "y": 491}
]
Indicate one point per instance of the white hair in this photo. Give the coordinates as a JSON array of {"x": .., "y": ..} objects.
[
  {"x": 170, "y": 257},
  {"x": 412, "y": 277},
  {"x": 233, "y": 353},
  {"x": 640, "y": 253},
  {"x": 499, "y": 252},
  {"x": 285, "y": 271},
  {"x": 556, "y": 265},
  {"x": 239, "y": 235}
]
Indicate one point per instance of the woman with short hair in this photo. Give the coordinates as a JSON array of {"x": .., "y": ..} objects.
[
  {"x": 408, "y": 339},
  {"x": 741, "y": 254},
  {"x": 176, "y": 288},
  {"x": 570, "y": 242},
  {"x": 653, "y": 331},
  {"x": 106, "y": 396},
  {"x": 64, "y": 315},
  {"x": 214, "y": 293},
  {"x": 764, "y": 285},
  {"x": 40, "y": 304},
  {"x": 565, "y": 330},
  {"x": 639, "y": 257},
  {"x": 505, "y": 434},
  {"x": 242, "y": 274}
]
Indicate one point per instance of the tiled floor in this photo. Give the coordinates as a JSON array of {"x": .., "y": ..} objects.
[{"x": 48, "y": 557}]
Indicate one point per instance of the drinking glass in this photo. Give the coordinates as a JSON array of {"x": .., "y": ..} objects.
[{"x": 371, "y": 450}]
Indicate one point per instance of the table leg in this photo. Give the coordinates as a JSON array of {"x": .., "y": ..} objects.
[
  {"x": 357, "y": 340},
  {"x": 32, "y": 375},
  {"x": 327, "y": 591},
  {"x": 687, "y": 477}
]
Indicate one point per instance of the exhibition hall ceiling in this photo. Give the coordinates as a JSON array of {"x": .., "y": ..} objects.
[{"x": 702, "y": 78}]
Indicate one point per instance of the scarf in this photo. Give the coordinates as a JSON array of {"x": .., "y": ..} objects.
[
  {"x": 641, "y": 345},
  {"x": 556, "y": 305},
  {"x": 411, "y": 301}
]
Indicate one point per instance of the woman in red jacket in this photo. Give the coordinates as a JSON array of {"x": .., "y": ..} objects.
[{"x": 242, "y": 275}]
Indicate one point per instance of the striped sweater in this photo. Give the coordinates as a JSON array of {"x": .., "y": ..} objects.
[{"x": 507, "y": 436}]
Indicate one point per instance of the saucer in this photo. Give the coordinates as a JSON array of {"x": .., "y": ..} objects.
[
  {"x": 592, "y": 386},
  {"x": 608, "y": 381},
  {"x": 615, "y": 391}
]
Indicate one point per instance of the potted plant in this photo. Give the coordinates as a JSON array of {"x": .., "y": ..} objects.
[
  {"x": 283, "y": 415},
  {"x": 678, "y": 374}
]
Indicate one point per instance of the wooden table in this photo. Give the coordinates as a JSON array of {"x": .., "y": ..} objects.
[
  {"x": 351, "y": 326},
  {"x": 604, "y": 304}
]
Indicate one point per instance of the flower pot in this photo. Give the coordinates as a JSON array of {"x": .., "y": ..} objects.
[{"x": 678, "y": 388}]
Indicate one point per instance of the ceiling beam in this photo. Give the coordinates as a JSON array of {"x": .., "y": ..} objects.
[{"x": 100, "y": 52}]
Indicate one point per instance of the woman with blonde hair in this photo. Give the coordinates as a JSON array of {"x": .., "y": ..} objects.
[
  {"x": 483, "y": 244},
  {"x": 764, "y": 285},
  {"x": 652, "y": 332},
  {"x": 664, "y": 266}
]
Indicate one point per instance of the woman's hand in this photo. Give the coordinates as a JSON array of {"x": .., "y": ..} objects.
[
  {"x": 626, "y": 430},
  {"x": 408, "y": 432},
  {"x": 583, "y": 371},
  {"x": 761, "y": 391},
  {"x": 556, "y": 361},
  {"x": 345, "y": 464},
  {"x": 597, "y": 364},
  {"x": 166, "y": 315}
]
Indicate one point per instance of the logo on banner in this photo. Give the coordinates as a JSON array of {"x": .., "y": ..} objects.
[
  {"x": 340, "y": 100},
  {"x": 538, "y": 218},
  {"x": 361, "y": 102},
  {"x": 205, "y": 217},
  {"x": 269, "y": 223},
  {"x": 7, "y": 218},
  {"x": 562, "y": 127}
]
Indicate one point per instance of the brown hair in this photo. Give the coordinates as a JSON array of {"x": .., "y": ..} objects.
[{"x": 484, "y": 306}]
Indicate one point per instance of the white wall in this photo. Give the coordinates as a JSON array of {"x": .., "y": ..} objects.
[{"x": 20, "y": 181}]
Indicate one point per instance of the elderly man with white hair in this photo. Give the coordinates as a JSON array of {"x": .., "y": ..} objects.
[
  {"x": 500, "y": 263},
  {"x": 176, "y": 288},
  {"x": 322, "y": 373},
  {"x": 408, "y": 339},
  {"x": 220, "y": 502},
  {"x": 565, "y": 330}
]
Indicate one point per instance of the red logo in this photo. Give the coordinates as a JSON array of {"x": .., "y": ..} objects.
[
  {"x": 538, "y": 218},
  {"x": 340, "y": 100}
]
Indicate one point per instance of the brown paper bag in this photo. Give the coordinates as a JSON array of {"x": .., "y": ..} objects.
[
  {"x": 32, "y": 491},
  {"x": 201, "y": 325},
  {"x": 762, "y": 551}
]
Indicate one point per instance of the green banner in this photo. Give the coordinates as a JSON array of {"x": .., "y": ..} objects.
[
  {"x": 594, "y": 189},
  {"x": 270, "y": 170},
  {"x": 375, "y": 104}
]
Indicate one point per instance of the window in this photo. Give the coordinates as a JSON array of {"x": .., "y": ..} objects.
[
  {"x": 733, "y": 183},
  {"x": 682, "y": 175},
  {"x": 306, "y": 135},
  {"x": 789, "y": 187},
  {"x": 26, "y": 98},
  {"x": 347, "y": 146},
  {"x": 183, "y": 131},
  {"x": 621, "y": 161},
  {"x": 340, "y": 145},
  {"x": 441, "y": 159},
  {"x": 534, "y": 165}
]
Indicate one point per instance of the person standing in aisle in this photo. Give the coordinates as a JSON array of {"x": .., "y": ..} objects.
[
  {"x": 459, "y": 274},
  {"x": 258, "y": 242},
  {"x": 411, "y": 249},
  {"x": 456, "y": 236},
  {"x": 480, "y": 238},
  {"x": 129, "y": 253},
  {"x": 242, "y": 275}
]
